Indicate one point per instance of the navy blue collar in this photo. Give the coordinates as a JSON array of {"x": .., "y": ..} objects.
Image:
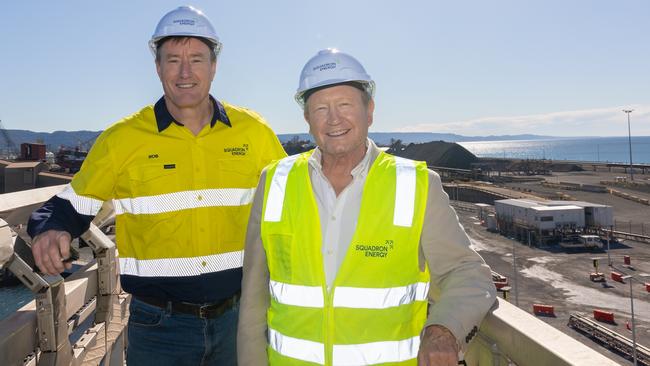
[{"x": 164, "y": 118}]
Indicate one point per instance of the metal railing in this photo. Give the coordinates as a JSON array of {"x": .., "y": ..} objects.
[{"x": 76, "y": 321}]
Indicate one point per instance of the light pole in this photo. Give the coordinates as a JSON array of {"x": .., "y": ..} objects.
[
  {"x": 609, "y": 239},
  {"x": 629, "y": 138},
  {"x": 633, "y": 278}
]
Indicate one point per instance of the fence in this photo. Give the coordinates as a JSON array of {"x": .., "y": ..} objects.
[{"x": 636, "y": 228}]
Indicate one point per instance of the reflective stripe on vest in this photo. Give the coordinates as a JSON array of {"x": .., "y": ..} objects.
[
  {"x": 288, "y": 294},
  {"x": 349, "y": 354},
  {"x": 382, "y": 352},
  {"x": 185, "y": 200},
  {"x": 404, "y": 201},
  {"x": 83, "y": 205},
  {"x": 297, "y": 348},
  {"x": 180, "y": 267},
  {"x": 405, "y": 187},
  {"x": 278, "y": 186},
  {"x": 349, "y": 297}
]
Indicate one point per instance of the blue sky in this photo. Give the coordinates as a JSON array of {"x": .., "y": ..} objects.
[{"x": 563, "y": 68}]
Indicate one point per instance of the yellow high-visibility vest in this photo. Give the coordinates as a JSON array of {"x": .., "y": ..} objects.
[{"x": 376, "y": 307}]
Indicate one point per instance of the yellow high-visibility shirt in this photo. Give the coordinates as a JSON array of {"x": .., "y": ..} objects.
[{"x": 182, "y": 201}]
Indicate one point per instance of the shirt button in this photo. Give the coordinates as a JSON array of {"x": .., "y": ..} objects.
[
  {"x": 329, "y": 252},
  {"x": 204, "y": 264},
  {"x": 333, "y": 218},
  {"x": 199, "y": 197}
]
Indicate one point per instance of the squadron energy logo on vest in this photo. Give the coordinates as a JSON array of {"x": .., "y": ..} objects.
[
  {"x": 375, "y": 250},
  {"x": 237, "y": 150}
]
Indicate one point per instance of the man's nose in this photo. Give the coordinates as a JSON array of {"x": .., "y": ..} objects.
[
  {"x": 186, "y": 68},
  {"x": 333, "y": 117}
]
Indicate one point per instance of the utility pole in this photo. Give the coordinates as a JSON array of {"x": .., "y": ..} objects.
[
  {"x": 514, "y": 272},
  {"x": 629, "y": 137}
]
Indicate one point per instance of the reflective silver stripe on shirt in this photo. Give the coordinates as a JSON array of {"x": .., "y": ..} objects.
[
  {"x": 181, "y": 267},
  {"x": 404, "y": 192},
  {"x": 349, "y": 297},
  {"x": 184, "y": 200},
  {"x": 376, "y": 352},
  {"x": 307, "y": 296},
  {"x": 379, "y": 298},
  {"x": 300, "y": 349},
  {"x": 83, "y": 205},
  {"x": 275, "y": 200}
]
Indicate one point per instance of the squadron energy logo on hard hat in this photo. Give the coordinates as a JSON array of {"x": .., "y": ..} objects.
[
  {"x": 323, "y": 67},
  {"x": 185, "y": 21}
]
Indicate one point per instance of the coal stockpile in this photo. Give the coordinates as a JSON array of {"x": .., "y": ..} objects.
[{"x": 436, "y": 153}]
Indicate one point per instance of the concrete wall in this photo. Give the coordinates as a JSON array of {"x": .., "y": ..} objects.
[
  {"x": 19, "y": 178},
  {"x": 50, "y": 179},
  {"x": 3, "y": 165},
  {"x": 470, "y": 195}
]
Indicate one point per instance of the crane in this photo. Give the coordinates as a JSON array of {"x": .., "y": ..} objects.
[{"x": 10, "y": 145}]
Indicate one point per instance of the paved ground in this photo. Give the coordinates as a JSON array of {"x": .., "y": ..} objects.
[
  {"x": 556, "y": 277},
  {"x": 624, "y": 210}
]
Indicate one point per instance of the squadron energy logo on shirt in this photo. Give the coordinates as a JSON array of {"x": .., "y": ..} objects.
[{"x": 237, "y": 150}]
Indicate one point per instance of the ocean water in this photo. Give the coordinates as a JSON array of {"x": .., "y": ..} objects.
[
  {"x": 13, "y": 298},
  {"x": 594, "y": 149}
]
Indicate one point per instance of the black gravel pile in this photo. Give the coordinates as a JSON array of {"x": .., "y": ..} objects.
[{"x": 436, "y": 153}]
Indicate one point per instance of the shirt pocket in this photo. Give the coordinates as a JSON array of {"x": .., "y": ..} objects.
[
  {"x": 234, "y": 173},
  {"x": 279, "y": 255},
  {"x": 153, "y": 179}
]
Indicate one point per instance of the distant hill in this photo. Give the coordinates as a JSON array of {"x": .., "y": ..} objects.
[
  {"x": 384, "y": 138},
  {"x": 52, "y": 139},
  {"x": 74, "y": 138}
]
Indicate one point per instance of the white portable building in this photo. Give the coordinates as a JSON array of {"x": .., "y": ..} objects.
[
  {"x": 596, "y": 215},
  {"x": 539, "y": 215}
]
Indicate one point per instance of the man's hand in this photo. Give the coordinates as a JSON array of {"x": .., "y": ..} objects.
[
  {"x": 438, "y": 347},
  {"x": 50, "y": 249}
]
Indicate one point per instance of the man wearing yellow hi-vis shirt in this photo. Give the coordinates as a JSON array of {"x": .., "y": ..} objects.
[
  {"x": 344, "y": 241},
  {"x": 181, "y": 174}
]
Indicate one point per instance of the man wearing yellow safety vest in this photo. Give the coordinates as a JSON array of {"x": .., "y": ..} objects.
[
  {"x": 181, "y": 174},
  {"x": 344, "y": 240}
]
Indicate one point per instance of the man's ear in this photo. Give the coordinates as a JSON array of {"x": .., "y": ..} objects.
[{"x": 370, "y": 111}]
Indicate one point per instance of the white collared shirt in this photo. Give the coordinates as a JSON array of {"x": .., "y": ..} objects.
[{"x": 338, "y": 215}]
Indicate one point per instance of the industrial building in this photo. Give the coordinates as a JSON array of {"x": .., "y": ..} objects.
[{"x": 544, "y": 222}]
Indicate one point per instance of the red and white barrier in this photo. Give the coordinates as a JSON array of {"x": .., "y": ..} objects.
[
  {"x": 547, "y": 310},
  {"x": 618, "y": 277},
  {"x": 604, "y": 316}
]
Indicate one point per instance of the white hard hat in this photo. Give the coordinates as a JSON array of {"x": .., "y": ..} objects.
[
  {"x": 330, "y": 67},
  {"x": 185, "y": 21}
]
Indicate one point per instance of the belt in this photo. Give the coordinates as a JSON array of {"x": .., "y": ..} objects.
[{"x": 204, "y": 311}]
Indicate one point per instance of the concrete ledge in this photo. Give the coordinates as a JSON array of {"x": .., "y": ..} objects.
[
  {"x": 526, "y": 340},
  {"x": 16, "y": 207}
]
